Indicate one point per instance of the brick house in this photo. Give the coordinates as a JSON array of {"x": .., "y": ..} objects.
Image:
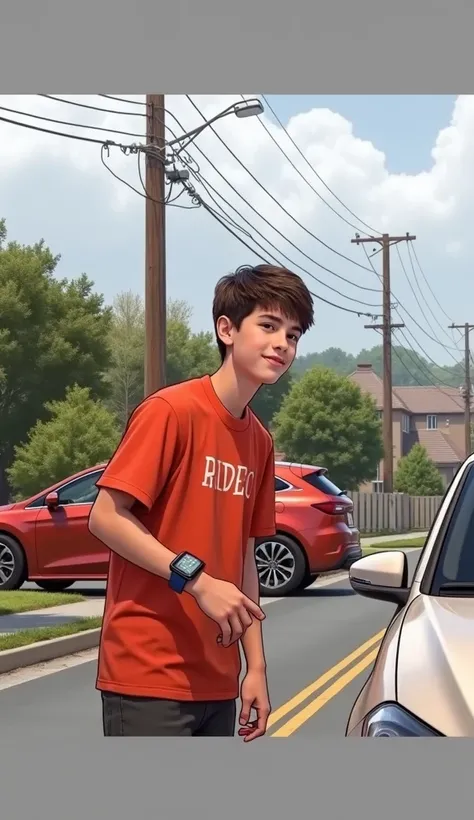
[{"x": 430, "y": 416}]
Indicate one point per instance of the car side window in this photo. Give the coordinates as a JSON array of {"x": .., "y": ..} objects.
[
  {"x": 81, "y": 491},
  {"x": 280, "y": 485}
]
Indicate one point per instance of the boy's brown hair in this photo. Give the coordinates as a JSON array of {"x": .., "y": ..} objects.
[{"x": 267, "y": 286}]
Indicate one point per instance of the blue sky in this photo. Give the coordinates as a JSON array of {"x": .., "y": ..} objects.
[
  {"x": 374, "y": 151},
  {"x": 403, "y": 126}
]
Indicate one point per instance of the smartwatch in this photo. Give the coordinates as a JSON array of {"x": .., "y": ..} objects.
[{"x": 184, "y": 568}]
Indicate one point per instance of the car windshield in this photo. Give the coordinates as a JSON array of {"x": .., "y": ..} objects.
[{"x": 454, "y": 571}]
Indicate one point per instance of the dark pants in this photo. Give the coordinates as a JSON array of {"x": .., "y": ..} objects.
[{"x": 126, "y": 716}]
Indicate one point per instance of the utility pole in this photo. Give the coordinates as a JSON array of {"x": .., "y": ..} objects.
[
  {"x": 155, "y": 248},
  {"x": 386, "y": 241},
  {"x": 467, "y": 391}
]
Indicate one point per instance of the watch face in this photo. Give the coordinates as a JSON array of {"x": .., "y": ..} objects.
[{"x": 187, "y": 564}]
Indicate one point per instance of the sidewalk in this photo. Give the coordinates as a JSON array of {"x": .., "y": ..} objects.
[
  {"x": 58, "y": 615},
  {"x": 52, "y": 616},
  {"x": 382, "y": 539}
]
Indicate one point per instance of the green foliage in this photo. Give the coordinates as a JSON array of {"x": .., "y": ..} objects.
[
  {"x": 417, "y": 474},
  {"x": 267, "y": 401},
  {"x": 408, "y": 367},
  {"x": 53, "y": 333},
  {"x": 327, "y": 421},
  {"x": 80, "y": 433}
]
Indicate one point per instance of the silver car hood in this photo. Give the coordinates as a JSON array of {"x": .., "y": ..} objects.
[{"x": 435, "y": 670}]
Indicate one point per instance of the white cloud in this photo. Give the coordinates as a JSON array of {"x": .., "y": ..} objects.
[{"x": 436, "y": 204}]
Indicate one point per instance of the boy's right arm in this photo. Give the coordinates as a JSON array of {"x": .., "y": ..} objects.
[{"x": 112, "y": 521}]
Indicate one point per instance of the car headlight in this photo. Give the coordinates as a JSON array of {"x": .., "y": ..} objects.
[{"x": 390, "y": 720}]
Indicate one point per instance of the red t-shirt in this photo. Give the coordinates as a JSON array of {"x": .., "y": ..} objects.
[{"x": 204, "y": 481}]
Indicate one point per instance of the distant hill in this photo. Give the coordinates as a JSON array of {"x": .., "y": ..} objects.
[{"x": 408, "y": 368}]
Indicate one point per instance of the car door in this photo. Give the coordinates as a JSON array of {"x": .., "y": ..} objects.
[{"x": 64, "y": 546}]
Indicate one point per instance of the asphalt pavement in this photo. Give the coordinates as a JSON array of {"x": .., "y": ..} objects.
[{"x": 314, "y": 641}]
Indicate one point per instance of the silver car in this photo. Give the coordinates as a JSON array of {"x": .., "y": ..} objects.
[{"x": 422, "y": 682}]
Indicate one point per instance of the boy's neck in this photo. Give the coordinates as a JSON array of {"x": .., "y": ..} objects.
[{"x": 233, "y": 391}]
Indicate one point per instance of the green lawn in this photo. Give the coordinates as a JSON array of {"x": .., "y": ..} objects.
[
  {"x": 24, "y": 600},
  {"x": 25, "y": 637}
]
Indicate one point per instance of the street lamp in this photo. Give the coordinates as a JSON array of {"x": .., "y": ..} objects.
[{"x": 246, "y": 108}]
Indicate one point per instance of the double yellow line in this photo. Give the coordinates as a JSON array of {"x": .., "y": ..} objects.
[{"x": 342, "y": 679}]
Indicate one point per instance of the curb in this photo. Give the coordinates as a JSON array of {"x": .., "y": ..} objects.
[{"x": 42, "y": 651}]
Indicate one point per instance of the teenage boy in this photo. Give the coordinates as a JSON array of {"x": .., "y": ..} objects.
[{"x": 188, "y": 490}]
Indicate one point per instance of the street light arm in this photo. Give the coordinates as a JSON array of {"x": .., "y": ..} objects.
[{"x": 252, "y": 108}]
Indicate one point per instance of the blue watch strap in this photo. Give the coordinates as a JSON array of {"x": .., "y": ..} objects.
[{"x": 177, "y": 582}]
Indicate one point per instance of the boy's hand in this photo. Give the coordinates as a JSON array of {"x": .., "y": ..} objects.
[
  {"x": 254, "y": 695},
  {"x": 226, "y": 605}
]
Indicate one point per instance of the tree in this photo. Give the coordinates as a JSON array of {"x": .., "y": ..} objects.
[
  {"x": 188, "y": 354},
  {"x": 267, "y": 401},
  {"x": 80, "y": 433},
  {"x": 327, "y": 421},
  {"x": 53, "y": 333},
  {"x": 126, "y": 338},
  {"x": 417, "y": 474}
]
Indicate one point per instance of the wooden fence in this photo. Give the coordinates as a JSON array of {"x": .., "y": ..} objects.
[{"x": 394, "y": 512}]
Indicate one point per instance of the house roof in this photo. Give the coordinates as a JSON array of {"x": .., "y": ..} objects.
[
  {"x": 416, "y": 399},
  {"x": 439, "y": 446}
]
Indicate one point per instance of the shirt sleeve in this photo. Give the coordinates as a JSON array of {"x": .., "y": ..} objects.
[
  {"x": 147, "y": 453},
  {"x": 263, "y": 520}
]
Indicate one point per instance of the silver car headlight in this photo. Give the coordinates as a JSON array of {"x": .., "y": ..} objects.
[{"x": 390, "y": 720}]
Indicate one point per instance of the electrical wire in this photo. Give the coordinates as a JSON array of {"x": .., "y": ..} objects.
[
  {"x": 448, "y": 349},
  {"x": 308, "y": 183},
  {"x": 273, "y": 198},
  {"x": 92, "y": 107},
  {"x": 207, "y": 185},
  {"x": 194, "y": 194},
  {"x": 121, "y": 99},
  {"x": 72, "y": 124},
  {"x": 273, "y": 227},
  {"x": 62, "y": 134},
  {"x": 427, "y": 282},
  {"x": 372, "y": 230}
]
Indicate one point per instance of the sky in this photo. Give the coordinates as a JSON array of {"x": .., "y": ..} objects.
[{"x": 398, "y": 163}]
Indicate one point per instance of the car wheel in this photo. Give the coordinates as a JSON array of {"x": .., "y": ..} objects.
[
  {"x": 281, "y": 565},
  {"x": 54, "y": 586},
  {"x": 13, "y": 570}
]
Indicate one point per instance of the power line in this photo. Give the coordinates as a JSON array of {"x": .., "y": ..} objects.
[
  {"x": 351, "y": 225},
  {"x": 62, "y": 134},
  {"x": 206, "y": 184},
  {"x": 372, "y": 230},
  {"x": 273, "y": 227},
  {"x": 273, "y": 198},
  {"x": 121, "y": 99},
  {"x": 72, "y": 124},
  {"x": 195, "y": 195},
  {"x": 92, "y": 107}
]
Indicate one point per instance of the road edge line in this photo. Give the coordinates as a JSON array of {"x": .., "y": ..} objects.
[{"x": 42, "y": 651}]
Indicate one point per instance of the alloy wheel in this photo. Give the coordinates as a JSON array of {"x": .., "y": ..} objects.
[
  {"x": 275, "y": 564},
  {"x": 7, "y": 564}
]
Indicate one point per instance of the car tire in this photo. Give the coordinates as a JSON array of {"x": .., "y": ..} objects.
[
  {"x": 289, "y": 561},
  {"x": 54, "y": 586},
  {"x": 12, "y": 564}
]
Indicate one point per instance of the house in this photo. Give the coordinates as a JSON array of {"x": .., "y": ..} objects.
[{"x": 430, "y": 416}]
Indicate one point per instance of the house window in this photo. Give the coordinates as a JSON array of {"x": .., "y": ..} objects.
[
  {"x": 405, "y": 423},
  {"x": 431, "y": 422}
]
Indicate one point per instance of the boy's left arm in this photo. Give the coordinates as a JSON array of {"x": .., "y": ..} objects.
[{"x": 254, "y": 690}]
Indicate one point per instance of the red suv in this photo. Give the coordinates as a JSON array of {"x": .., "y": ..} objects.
[{"x": 46, "y": 539}]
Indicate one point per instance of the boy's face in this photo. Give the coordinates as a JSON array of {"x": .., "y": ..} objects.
[{"x": 264, "y": 347}]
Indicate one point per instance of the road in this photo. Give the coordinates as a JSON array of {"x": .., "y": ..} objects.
[{"x": 306, "y": 636}]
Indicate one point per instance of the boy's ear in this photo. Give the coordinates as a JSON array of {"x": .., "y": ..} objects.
[{"x": 225, "y": 330}]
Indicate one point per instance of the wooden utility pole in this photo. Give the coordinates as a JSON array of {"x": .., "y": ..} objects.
[
  {"x": 386, "y": 241},
  {"x": 155, "y": 249},
  {"x": 467, "y": 391}
]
